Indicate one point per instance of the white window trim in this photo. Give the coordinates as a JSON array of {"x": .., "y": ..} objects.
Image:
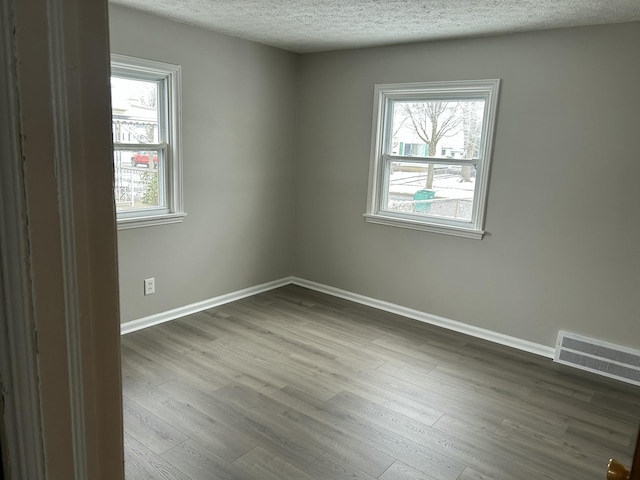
[
  {"x": 174, "y": 213},
  {"x": 487, "y": 89}
]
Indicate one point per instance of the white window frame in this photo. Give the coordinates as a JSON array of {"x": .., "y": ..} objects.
[
  {"x": 381, "y": 158},
  {"x": 170, "y": 133}
]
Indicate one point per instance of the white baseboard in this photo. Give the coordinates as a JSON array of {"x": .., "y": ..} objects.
[
  {"x": 514, "y": 342},
  {"x": 162, "y": 317}
]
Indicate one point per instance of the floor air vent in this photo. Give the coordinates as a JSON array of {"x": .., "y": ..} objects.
[{"x": 599, "y": 357}]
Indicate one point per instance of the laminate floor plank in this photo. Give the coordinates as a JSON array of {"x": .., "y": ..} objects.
[
  {"x": 267, "y": 343},
  {"x": 257, "y": 312},
  {"x": 612, "y": 401},
  {"x": 189, "y": 333},
  {"x": 175, "y": 359},
  {"x": 532, "y": 368},
  {"x": 142, "y": 464},
  {"x": 232, "y": 366},
  {"x": 420, "y": 411},
  {"x": 325, "y": 341},
  {"x": 210, "y": 320},
  {"x": 177, "y": 338},
  {"x": 471, "y": 474},
  {"x": 515, "y": 380},
  {"x": 595, "y": 449},
  {"x": 400, "y": 471},
  {"x": 612, "y": 426},
  {"x": 500, "y": 456},
  {"x": 423, "y": 456},
  {"x": 604, "y": 437},
  {"x": 483, "y": 392},
  {"x": 377, "y": 414},
  {"x": 331, "y": 439},
  {"x": 264, "y": 432},
  {"x": 137, "y": 364},
  {"x": 567, "y": 452},
  {"x": 199, "y": 463},
  {"x": 281, "y": 369},
  {"x": 157, "y": 346},
  {"x": 180, "y": 366},
  {"x": 323, "y": 326},
  {"x": 148, "y": 429},
  {"x": 260, "y": 464},
  {"x": 328, "y": 467},
  {"x": 516, "y": 405},
  {"x": 563, "y": 459},
  {"x": 458, "y": 401},
  {"x": 296, "y": 384},
  {"x": 209, "y": 432}
]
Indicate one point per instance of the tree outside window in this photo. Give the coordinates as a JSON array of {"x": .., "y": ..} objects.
[{"x": 430, "y": 155}]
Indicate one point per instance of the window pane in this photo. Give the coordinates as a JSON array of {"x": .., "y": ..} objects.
[
  {"x": 136, "y": 184},
  {"x": 134, "y": 110},
  {"x": 436, "y": 128},
  {"x": 431, "y": 190}
]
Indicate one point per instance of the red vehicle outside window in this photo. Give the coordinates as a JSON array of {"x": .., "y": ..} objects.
[{"x": 143, "y": 159}]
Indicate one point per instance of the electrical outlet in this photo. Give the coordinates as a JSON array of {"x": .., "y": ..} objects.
[{"x": 149, "y": 286}]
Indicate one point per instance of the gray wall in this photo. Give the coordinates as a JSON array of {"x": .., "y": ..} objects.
[
  {"x": 563, "y": 226},
  {"x": 238, "y": 123}
]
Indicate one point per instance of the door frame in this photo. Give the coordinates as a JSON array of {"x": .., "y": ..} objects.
[
  {"x": 59, "y": 312},
  {"x": 635, "y": 463},
  {"x": 22, "y": 448}
]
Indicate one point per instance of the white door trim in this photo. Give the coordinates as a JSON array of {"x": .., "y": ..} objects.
[
  {"x": 64, "y": 180},
  {"x": 23, "y": 453}
]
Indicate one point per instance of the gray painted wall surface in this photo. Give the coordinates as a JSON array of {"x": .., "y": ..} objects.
[
  {"x": 562, "y": 220},
  {"x": 563, "y": 228},
  {"x": 238, "y": 124}
]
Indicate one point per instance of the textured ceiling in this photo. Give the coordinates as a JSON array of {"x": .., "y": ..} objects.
[{"x": 319, "y": 25}]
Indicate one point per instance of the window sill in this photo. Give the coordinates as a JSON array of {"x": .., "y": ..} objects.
[
  {"x": 150, "y": 221},
  {"x": 424, "y": 226}
]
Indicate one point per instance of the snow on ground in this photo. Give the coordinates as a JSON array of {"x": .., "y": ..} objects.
[
  {"x": 446, "y": 186},
  {"x": 453, "y": 197}
]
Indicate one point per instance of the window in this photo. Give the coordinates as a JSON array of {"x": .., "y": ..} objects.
[
  {"x": 410, "y": 185},
  {"x": 145, "y": 112}
]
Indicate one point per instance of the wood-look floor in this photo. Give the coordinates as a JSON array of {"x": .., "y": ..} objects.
[{"x": 293, "y": 384}]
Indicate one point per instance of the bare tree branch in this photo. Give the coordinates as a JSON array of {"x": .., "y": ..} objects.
[{"x": 432, "y": 121}]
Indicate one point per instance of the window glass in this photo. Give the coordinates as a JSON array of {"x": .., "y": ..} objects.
[
  {"x": 136, "y": 183},
  {"x": 445, "y": 196},
  {"x": 419, "y": 128},
  {"x": 431, "y": 151},
  {"x": 134, "y": 107},
  {"x": 145, "y": 106}
]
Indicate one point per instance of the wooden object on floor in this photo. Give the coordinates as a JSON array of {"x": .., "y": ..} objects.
[{"x": 617, "y": 471}]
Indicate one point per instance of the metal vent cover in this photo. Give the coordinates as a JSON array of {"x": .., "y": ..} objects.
[{"x": 597, "y": 356}]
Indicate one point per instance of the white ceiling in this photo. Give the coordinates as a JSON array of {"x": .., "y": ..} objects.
[{"x": 318, "y": 25}]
